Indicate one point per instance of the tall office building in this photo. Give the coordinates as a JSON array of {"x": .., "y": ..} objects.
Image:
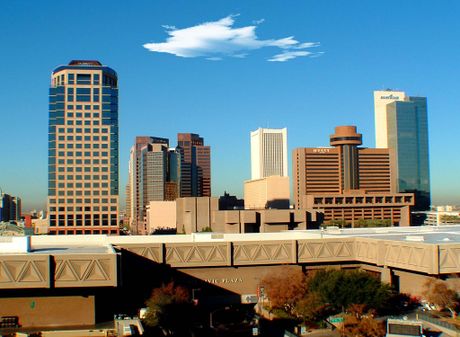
[
  {"x": 83, "y": 149},
  {"x": 401, "y": 124},
  {"x": 10, "y": 208},
  {"x": 353, "y": 186},
  {"x": 195, "y": 165},
  {"x": 343, "y": 167},
  {"x": 268, "y": 153},
  {"x": 134, "y": 204},
  {"x": 154, "y": 175}
]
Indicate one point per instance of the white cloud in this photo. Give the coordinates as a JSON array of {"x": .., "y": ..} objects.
[
  {"x": 288, "y": 55},
  {"x": 217, "y": 39}
]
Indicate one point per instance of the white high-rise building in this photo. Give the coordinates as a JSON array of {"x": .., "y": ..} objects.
[
  {"x": 381, "y": 101},
  {"x": 401, "y": 124},
  {"x": 269, "y": 153}
]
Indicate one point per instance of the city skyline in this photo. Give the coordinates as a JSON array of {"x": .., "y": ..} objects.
[{"x": 224, "y": 100}]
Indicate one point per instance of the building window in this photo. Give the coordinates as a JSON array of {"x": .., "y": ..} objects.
[{"x": 83, "y": 78}]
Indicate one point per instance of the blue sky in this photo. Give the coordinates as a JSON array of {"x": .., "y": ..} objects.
[{"x": 360, "y": 46}]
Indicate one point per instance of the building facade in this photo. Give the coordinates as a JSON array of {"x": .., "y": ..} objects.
[
  {"x": 195, "y": 165},
  {"x": 83, "y": 149},
  {"x": 266, "y": 193},
  {"x": 10, "y": 208},
  {"x": 269, "y": 153},
  {"x": 401, "y": 123},
  {"x": 352, "y": 186},
  {"x": 154, "y": 175},
  {"x": 343, "y": 167}
]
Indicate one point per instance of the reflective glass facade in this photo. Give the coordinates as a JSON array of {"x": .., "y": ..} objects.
[
  {"x": 407, "y": 126},
  {"x": 83, "y": 149}
]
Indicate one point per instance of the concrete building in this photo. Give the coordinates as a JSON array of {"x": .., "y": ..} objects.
[
  {"x": 134, "y": 204},
  {"x": 194, "y": 213},
  {"x": 401, "y": 124},
  {"x": 202, "y": 214},
  {"x": 153, "y": 175},
  {"x": 343, "y": 167},
  {"x": 349, "y": 183},
  {"x": 161, "y": 215},
  {"x": 195, "y": 165},
  {"x": 264, "y": 220},
  {"x": 40, "y": 285},
  {"x": 442, "y": 215},
  {"x": 357, "y": 207},
  {"x": 269, "y": 153},
  {"x": 10, "y": 208},
  {"x": 268, "y": 192},
  {"x": 83, "y": 149}
]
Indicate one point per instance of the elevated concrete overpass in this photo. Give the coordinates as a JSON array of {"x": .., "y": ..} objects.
[{"x": 71, "y": 272}]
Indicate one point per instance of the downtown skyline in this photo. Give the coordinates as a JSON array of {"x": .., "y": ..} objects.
[{"x": 163, "y": 94}]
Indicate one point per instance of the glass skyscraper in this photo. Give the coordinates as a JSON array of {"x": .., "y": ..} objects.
[
  {"x": 406, "y": 125},
  {"x": 83, "y": 149}
]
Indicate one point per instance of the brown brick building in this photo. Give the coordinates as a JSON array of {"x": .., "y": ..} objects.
[
  {"x": 195, "y": 165},
  {"x": 346, "y": 171}
]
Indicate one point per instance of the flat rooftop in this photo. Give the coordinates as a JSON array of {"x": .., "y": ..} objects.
[{"x": 103, "y": 244}]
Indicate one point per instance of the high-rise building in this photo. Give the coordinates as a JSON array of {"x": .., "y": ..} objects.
[
  {"x": 83, "y": 149},
  {"x": 268, "y": 153},
  {"x": 154, "y": 175},
  {"x": 401, "y": 123},
  {"x": 352, "y": 186},
  {"x": 10, "y": 208},
  {"x": 343, "y": 167},
  {"x": 195, "y": 165}
]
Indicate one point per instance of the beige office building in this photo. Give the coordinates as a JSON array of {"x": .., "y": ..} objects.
[
  {"x": 268, "y": 153},
  {"x": 83, "y": 149},
  {"x": 160, "y": 215},
  {"x": 268, "y": 192},
  {"x": 381, "y": 100}
]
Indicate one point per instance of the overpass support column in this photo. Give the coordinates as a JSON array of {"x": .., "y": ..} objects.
[{"x": 385, "y": 275}]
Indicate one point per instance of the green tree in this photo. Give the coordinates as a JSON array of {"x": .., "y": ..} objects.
[
  {"x": 364, "y": 223},
  {"x": 342, "y": 288},
  {"x": 168, "y": 305}
]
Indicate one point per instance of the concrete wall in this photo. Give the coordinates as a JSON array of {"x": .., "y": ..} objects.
[
  {"x": 269, "y": 192},
  {"x": 50, "y": 311},
  {"x": 239, "y": 280},
  {"x": 161, "y": 214},
  {"x": 194, "y": 214}
]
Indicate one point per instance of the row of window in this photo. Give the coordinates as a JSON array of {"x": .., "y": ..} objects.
[
  {"x": 86, "y": 222},
  {"x": 82, "y": 169},
  {"x": 81, "y": 177},
  {"x": 80, "y": 145},
  {"x": 85, "y": 107},
  {"x": 81, "y": 209},
  {"x": 79, "y": 154},
  {"x": 52, "y": 161},
  {"x": 80, "y": 201},
  {"x": 79, "y": 193},
  {"x": 84, "y": 79},
  {"x": 82, "y": 232},
  {"x": 95, "y": 138},
  {"x": 52, "y": 185},
  {"x": 78, "y": 130}
]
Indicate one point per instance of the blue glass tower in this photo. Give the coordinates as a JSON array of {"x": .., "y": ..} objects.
[
  {"x": 407, "y": 127},
  {"x": 83, "y": 149}
]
